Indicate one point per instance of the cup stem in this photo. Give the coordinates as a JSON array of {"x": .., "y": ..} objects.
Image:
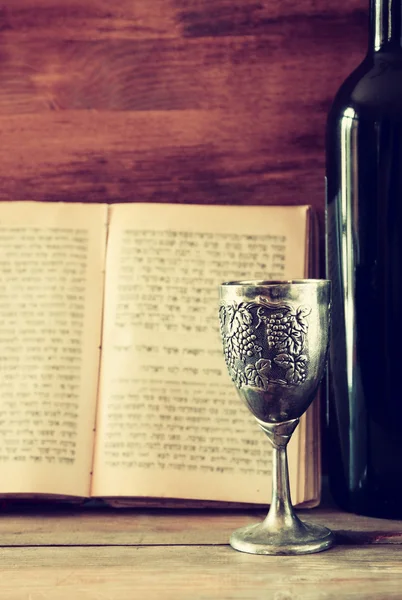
[{"x": 281, "y": 515}]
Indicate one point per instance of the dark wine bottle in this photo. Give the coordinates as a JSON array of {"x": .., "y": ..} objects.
[{"x": 364, "y": 262}]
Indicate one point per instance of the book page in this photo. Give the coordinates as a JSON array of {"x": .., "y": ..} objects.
[
  {"x": 170, "y": 422},
  {"x": 51, "y": 295}
]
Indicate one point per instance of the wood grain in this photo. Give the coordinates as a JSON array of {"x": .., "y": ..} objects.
[
  {"x": 178, "y": 555},
  {"x": 77, "y": 527},
  {"x": 199, "y": 573},
  {"x": 206, "y": 101}
]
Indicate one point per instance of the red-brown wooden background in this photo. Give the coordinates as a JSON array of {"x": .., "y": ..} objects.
[{"x": 207, "y": 101}]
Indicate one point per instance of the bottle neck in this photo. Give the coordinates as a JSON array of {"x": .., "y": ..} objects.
[{"x": 385, "y": 25}]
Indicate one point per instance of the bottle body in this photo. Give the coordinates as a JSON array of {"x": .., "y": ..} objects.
[{"x": 364, "y": 262}]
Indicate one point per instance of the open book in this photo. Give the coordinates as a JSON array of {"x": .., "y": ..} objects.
[{"x": 112, "y": 378}]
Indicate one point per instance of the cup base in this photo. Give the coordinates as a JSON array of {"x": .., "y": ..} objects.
[{"x": 257, "y": 539}]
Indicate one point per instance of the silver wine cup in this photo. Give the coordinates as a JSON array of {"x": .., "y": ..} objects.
[{"x": 275, "y": 342}]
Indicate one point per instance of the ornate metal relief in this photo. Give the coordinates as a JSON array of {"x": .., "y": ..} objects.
[{"x": 265, "y": 343}]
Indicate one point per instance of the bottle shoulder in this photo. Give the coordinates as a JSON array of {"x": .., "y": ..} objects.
[{"x": 373, "y": 89}]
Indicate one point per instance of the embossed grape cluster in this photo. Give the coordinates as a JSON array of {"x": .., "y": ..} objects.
[
  {"x": 278, "y": 326},
  {"x": 244, "y": 341},
  {"x": 240, "y": 344},
  {"x": 229, "y": 356}
]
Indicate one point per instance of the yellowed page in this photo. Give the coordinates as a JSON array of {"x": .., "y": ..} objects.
[
  {"x": 51, "y": 294},
  {"x": 170, "y": 423},
  {"x": 309, "y": 467}
]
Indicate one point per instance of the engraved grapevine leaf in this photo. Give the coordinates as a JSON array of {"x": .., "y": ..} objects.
[
  {"x": 263, "y": 366},
  {"x": 239, "y": 319},
  {"x": 301, "y": 367},
  {"x": 291, "y": 339},
  {"x": 251, "y": 375},
  {"x": 301, "y": 314},
  {"x": 239, "y": 378},
  {"x": 284, "y": 360},
  {"x": 295, "y": 367},
  {"x": 257, "y": 374},
  {"x": 244, "y": 315}
]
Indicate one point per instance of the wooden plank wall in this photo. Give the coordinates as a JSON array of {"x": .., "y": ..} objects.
[{"x": 206, "y": 101}]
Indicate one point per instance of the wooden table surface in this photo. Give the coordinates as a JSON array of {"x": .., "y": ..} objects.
[{"x": 112, "y": 554}]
